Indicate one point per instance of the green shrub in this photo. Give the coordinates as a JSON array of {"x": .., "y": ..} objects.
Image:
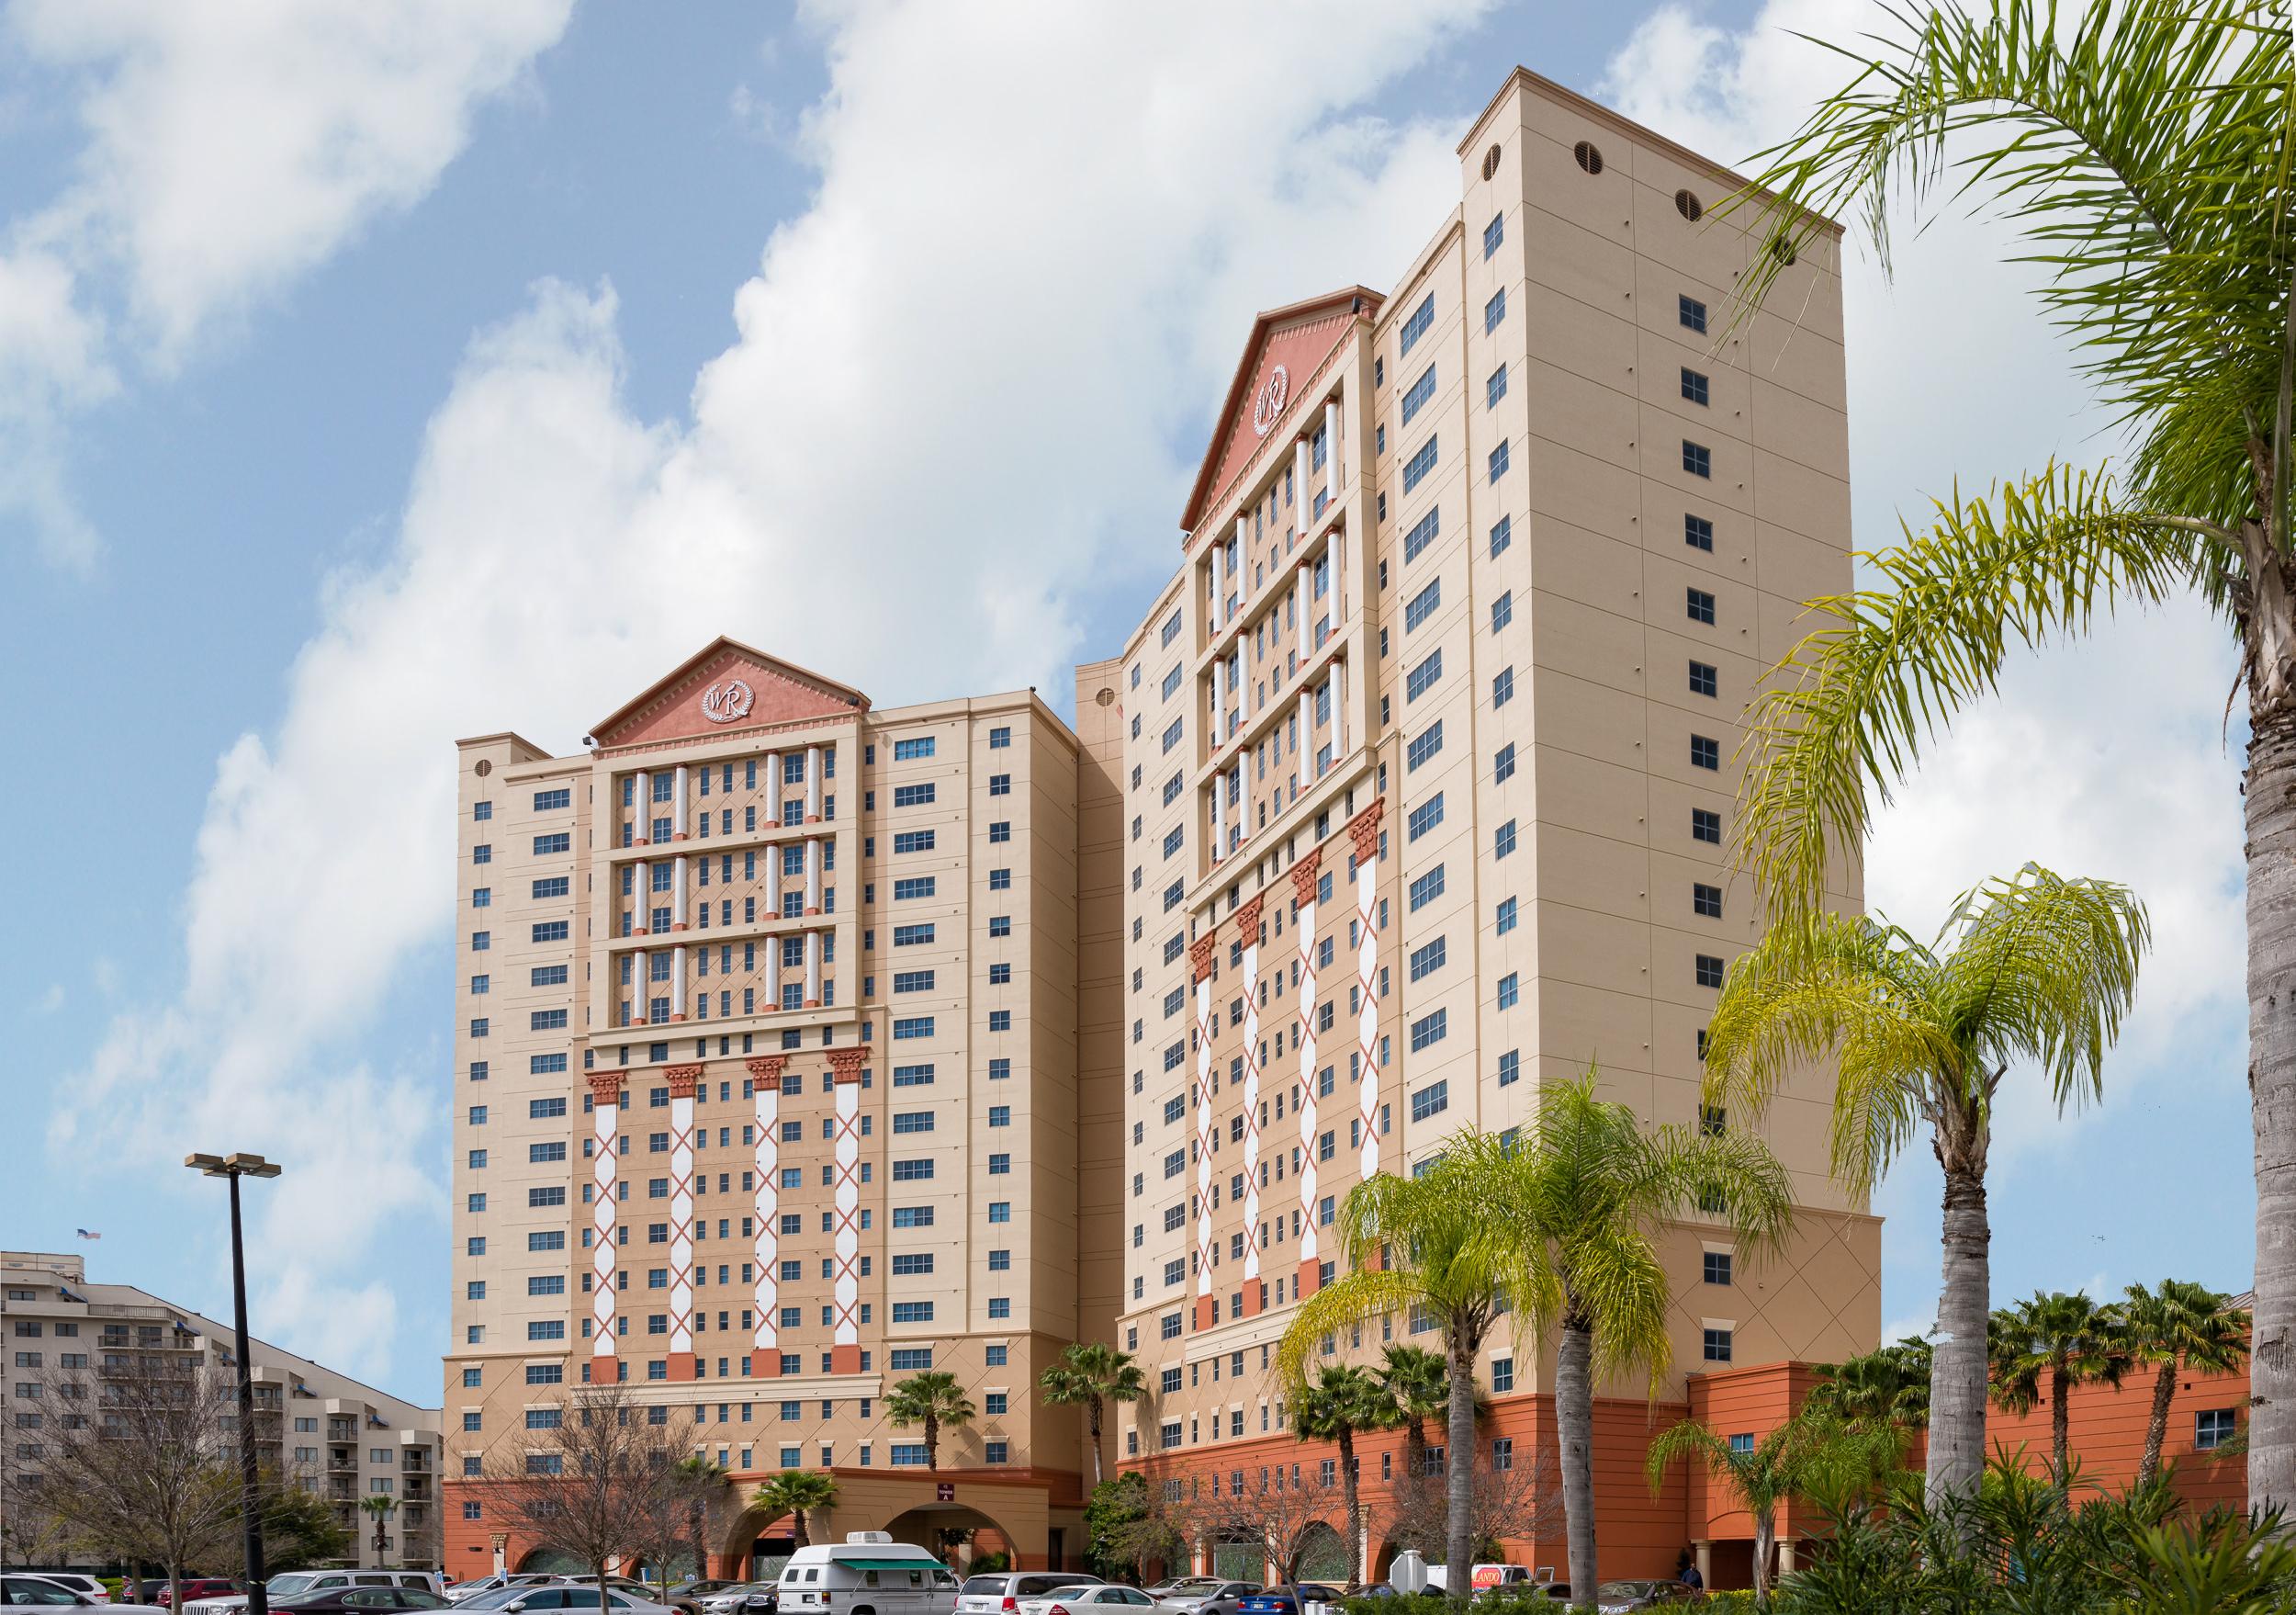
[{"x": 1730, "y": 1602}]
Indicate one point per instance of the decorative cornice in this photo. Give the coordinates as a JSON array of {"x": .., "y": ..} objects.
[
  {"x": 845, "y": 1064},
  {"x": 1200, "y": 953},
  {"x": 1303, "y": 875},
  {"x": 1247, "y": 921},
  {"x": 606, "y": 1087},
  {"x": 766, "y": 1068},
  {"x": 1365, "y": 830},
  {"x": 683, "y": 1080}
]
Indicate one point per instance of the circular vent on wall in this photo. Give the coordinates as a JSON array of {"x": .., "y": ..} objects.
[
  {"x": 1104, "y": 697},
  {"x": 1590, "y": 156},
  {"x": 483, "y": 769},
  {"x": 1490, "y": 161},
  {"x": 1688, "y": 206}
]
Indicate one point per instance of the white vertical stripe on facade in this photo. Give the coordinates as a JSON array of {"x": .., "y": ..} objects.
[
  {"x": 681, "y": 1214},
  {"x": 1305, "y": 922},
  {"x": 678, "y": 982},
  {"x": 813, "y": 874},
  {"x": 1203, "y": 1132},
  {"x": 678, "y": 895},
  {"x": 1339, "y": 692},
  {"x": 604, "y": 1170},
  {"x": 642, "y": 1001},
  {"x": 1303, "y": 591},
  {"x": 812, "y": 969},
  {"x": 847, "y": 1292},
  {"x": 767, "y": 1090},
  {"x": 678, "y": 802},
  {"x": 813, "y": 781},
  {"x": 1252, "y": 1093},
  {"x": 642, "y": 798},
  {"x": 1368, "y": 1012},
  {"x": 1330, "y": 448}
]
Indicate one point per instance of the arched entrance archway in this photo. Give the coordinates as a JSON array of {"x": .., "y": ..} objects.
[
  {"x": 1322, "y": 1554},
  {"x": 757, "y": 1542},
  {"x": 550, "y": 1561},
  {"x": 960, "y": 1536}
]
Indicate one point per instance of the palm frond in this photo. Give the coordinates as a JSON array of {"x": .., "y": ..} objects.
[
  {"x": 1847, "y": 711},
  {"x": 1353, "y": 1298}
]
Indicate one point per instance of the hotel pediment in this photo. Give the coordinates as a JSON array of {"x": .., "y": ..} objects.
[{"x": 728, "y": 687}]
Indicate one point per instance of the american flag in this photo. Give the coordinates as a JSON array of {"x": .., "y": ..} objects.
[{"x": 85, "y": 1234}]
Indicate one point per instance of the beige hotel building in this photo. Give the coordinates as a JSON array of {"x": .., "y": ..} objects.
[{"x": 803, "y": 1044}]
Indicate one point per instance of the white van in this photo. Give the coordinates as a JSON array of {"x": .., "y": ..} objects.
[{"x": 867, "y": 1574}]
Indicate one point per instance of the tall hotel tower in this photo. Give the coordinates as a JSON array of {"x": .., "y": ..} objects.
[{"x": 803, "y": 1046}]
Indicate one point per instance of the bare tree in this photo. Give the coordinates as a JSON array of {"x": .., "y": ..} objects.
[
  {"x": 138, "y": 1458},
  {"x": 1272, "y": 1512},
  {"x": 600, "y": 1482},
  {"x": 1522, "y": 1502}
]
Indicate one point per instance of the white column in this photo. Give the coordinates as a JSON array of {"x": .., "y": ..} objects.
[
  {"x": 1305, "y": 760},
  {"x": 1303, "y": 876},
  {"x": 813, "y": 876},
  {"x": 678, "y": 982},
  {"x": 1243, "y": 557},
  {"x": 1302, "y": 496},
  {"x": 604, "y": 1168},
  {"x": 1303, "y": 591},
  {"x": 677, "y": 892},
  {"x": 765, "y": 1086},
  {"x": 1243, "y": 832},
  {"x": 1250, "y": 916},
  {"x": 1339, "y": 707},
  {"x": 1204, "y": 1132},
  {"x": 1219, "y": 817},
  {"x": 644, "y": 796},
  {"x": 1364, "y": 831},
  {"x": 682, "y": 1082},
  {"x": 678, "y": 804},
  {"x": 642, "y": 883},
  {"x": 642, "y": 1004},
  {"x": 813, "y": 970},
  {"x": 1330, "y": 448},
  {"x": 813, "y": 784},
  {"x": 773, "y": 787},
  {"x": 847, "y": 1291},
  {"x": 1219, "y": 701},
  {"x": 1213, "y": 617}
]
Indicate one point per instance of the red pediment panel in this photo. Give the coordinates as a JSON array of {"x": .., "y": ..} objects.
[
  {"x": 728, "y": 686},
  {"x": 1286, "y": 349}
]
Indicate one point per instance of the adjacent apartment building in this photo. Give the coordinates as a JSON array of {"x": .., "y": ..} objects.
[
  {"x": 804, "y": 1045},
  {"x": 69, "y": 1341}
]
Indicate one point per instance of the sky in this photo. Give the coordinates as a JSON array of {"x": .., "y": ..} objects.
[{"x": 374, "y": 374}]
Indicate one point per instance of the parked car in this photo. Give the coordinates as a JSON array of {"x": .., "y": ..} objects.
[
  {"x": 78, "y": 1583},
  {"x": 1288, "y": 1600},
  {"x": 1202, "y": 1595},
  {"x": 1623, "y": 1598},
  {"x": 743, "y": 1597},
  {"x": 1088, "y": 1598},
  {"x": 198, "y": 1586},
  {"x": 294, "y": 1584},
  {"x": 463, "y": 1590},
  {"x": 572, "y": 1596},
  {"x": 1000, "y": 1592},
  {"x": 348, "y": 1599},
  {"x": 25, "y": 1589}
]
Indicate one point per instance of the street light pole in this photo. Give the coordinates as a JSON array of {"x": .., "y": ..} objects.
[{"x": 233, "y": 1169}]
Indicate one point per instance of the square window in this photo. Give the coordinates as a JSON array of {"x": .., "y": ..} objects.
[
  {"x": 1697, "y": 458},
  {"x": 1698, "y": 533},
  {"x": 1704, "y": 679},
  {"x": 1705, "y": 900},
  {"x": 1709, "y": 970},
  {"x": 1692, "y": 312},
  {"x": 1704, "y": 752},
  {"x": 1718, "y": 1345},
  {"x": 1717, "y": 1267},
  {"x": 1693, "y": 386},
  {"x": 1701, "y": 606}
]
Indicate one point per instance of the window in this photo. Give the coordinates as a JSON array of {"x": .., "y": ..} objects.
[
  {"x": 1426, "y": 889},
  {"x": 1706, "y": 752},
  {"x": 2212, "y": 1427},
  {"x": 912, "y": 1312},
  {"x": 912, "y": 840},
  {"x": 548, "y": 801},
  {"x": 482, "y": 811},
  {"x": 1415, "y": 398},
  {"x": 1502, "y": 687},
  {"x": 1705, "y": 900},
  {"x": 1510, "y": 1068},
  {"x": 909, "y": 750},
  {"x": 1498, "y": 462},
  {"x": 1701, "y": 606},
  {"x": 1506, "y": 921},
  {"x": 1718, "y": 1345},
  {"x": 1705, "y": 826},
  {"x": 1428, "y": 958},
  {"x": 913, "y": 887},
  {"x": 999, "y": 739},
  {"x": 1693, "y": 386},
  {"x": 557, "y": 885},
  {"x": 1422, "y": 605},
  {"x": 1698, "y": 533},
  {"x": 1697, "y": 458},
  {"x": 912, "y": 1121},
  {"x": 1421, "y": 679},
  {"x": 1510, "y": 990},
  {"x": 1494, "y": 233},
  {"x": 1424, "y": 746},
  {"x": 1422, "y": 319},
  {"x": 1704, "y": 679},
  {"x": 1415, "y": 468},
  {"x": 1709, "y": 970},
  {"x": 1503, "y": 764},
  {"x": 1502, "y": 1373},
  {"x": 1424, "y": 817},
  {"x": 1494, "y": 310},
  {"x": 1423, "y": 533},
  {"x": 912, "y": 795},
  {"x": 912, "y": 1170},
  {"x": 1425, "y": 1032},
  {"x": 1692, "y": 312},
  {"x": 1502, "y": 840},
  {"x": 912, "y": 981},
  {"x": 1501, "y": 535},
  {"x": 1495, "y": 388},
  {"x": 1718, "y": 1269}
]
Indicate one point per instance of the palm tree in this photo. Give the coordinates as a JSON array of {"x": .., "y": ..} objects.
[
  {"x": 1811, "y": 1453},
  {"x": 1093, "y": 1373},
  {"x": 700, "y": 1479},
  {"x": 933, "y": 1399},
  {"x": 1417, "y": 1246},
  {"x": 796, "y": 1493},
  {"x": 1343, "y": 1400},
  {"x": 1888, "y": 1385},
  {"x": 1570, "y": 1209},
  {"x": 1417, "y": 1381},
  {"x": 2057, "y": 1341},
  {"x": 381, "y": 1508},
  {"x": 2042, "y": 968},
  {"x": 2181, "y": 1323},
  {"x": 2143, "y": 149}
]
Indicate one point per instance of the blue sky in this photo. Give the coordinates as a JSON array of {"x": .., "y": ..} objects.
[{"x": 413, "y": 371}]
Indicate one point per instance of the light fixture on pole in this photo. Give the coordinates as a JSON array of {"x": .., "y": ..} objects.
[{"x": 232, "y": 1168}]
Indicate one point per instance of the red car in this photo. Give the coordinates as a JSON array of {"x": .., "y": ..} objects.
[{"x": 198, "y": 1586}]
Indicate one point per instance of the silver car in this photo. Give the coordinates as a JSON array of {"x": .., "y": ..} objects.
[
  {"x": 26, "y": 1588},
  {"x": 1091, "y": 1598},
  {"x": 1202, "y": 1595},
  {"x": 1002, "y": 1592}
]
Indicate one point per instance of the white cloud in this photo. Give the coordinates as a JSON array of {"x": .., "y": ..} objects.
[
  {"x": 228, "y": 149},
  {"x": 961, "y": 375}
]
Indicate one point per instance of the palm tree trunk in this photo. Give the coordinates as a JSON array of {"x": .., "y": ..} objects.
[
  {"x": 1415, "y": 1446},
  {"x": 799, "y": 1516},
  {"x": 1354, "y": 1519},
  {"x": 1765, "y": 1544},
  {"x": 932, "y": 1444},
  {"x": 1957, "y": 1365},
  {"x": 1458, "y": 1469},
  {"x": 2156, "y": 1426},
  {"x": 2060, "y": 1424},
  {"x": 1574, "y": 1425},
  {"x": 1096, "y": 1444},
  {"x": 2269, "y": 801}
]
